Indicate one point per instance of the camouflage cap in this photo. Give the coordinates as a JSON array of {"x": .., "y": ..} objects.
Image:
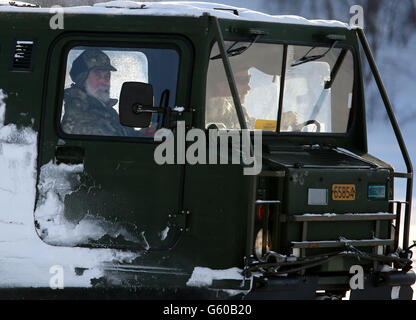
[{"x": 88, "y": 60}]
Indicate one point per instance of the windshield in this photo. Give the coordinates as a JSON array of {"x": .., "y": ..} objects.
[{"x": 315, "y": 96}]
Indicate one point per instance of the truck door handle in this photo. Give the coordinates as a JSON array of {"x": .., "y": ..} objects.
[{"x": 69, "y": 154}]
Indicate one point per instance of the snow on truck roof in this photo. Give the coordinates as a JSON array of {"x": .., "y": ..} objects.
[{"x": 177, "y": 8}]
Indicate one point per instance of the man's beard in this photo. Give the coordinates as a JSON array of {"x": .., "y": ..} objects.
[{"x": 101, "y": 93}]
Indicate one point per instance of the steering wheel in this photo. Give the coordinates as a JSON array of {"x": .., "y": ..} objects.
[
  {"x": 216, "y": 126},
  {"x": 307, "y": 123}
]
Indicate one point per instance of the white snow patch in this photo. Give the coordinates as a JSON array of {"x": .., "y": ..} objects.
[
  {"x": 164, "y": 233},
  {"x": 319, "y": 215},
  {"x": 56, "y": 182},
  {"x": 232, "y": 293},
  {"x": 25, "y": 260},
  {"x": 179, "y": 109},
  {"x": 16, "y": 3},
  {"x": 120, "y": 4},
  {"x": 203, "y": 277},
  {"x": 386, "y": 268}
]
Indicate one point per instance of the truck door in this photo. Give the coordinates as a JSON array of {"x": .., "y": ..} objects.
[{"x": 98, "y": 183}]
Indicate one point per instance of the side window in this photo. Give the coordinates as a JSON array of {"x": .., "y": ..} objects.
[
  {"x": 257, "y": 73},
  {"x": 93, "y": 80},
  {"x": 319, "y": 91}
]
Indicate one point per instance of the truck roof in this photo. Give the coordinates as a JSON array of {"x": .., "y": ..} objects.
[{"x": 177, "y": 8}]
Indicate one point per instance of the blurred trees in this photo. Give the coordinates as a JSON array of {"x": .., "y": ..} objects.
[
  {"x": 388, "y": 24},
  {"x": 63, "y": 3},
  {"x": 394, "y": 20}
]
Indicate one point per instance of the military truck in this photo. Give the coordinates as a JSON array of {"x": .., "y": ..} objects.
[{"x": 96, "y": 96}]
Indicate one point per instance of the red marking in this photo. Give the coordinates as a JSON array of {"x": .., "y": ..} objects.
[
  {"x": 260, "y": 212},
  {"x": 151, "y": 134}
]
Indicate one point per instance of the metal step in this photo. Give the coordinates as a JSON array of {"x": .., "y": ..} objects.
[
  {"x": 342, "y": 243},
  {"x": 343, "y": 217}
]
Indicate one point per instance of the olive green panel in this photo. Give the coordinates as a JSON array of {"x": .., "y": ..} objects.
[
  {"x": 23, "y": 89},
  {"x": 300, "y": 180},
  {"x": 218, "y": 198}
]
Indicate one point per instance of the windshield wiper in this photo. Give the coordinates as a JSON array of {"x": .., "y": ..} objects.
[
  {"x": 328, "y": 84},
  {"x": 337, "y": 66},
  {"x": 236, "y": 51},
  {"x": 306, "y": 59}
]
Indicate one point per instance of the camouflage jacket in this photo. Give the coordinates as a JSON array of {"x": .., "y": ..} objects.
[
  {"x": 86, "y": 115},
  {"x": 221, "y": 111}
]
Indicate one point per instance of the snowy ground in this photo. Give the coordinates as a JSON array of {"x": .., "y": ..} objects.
[{"x": 25, "y": 260}]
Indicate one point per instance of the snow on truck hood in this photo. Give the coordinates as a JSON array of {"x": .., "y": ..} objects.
[{"x": 177, "y": 8}]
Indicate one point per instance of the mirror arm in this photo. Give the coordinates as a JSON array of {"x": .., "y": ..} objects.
[
  {"x": 167, "y": 112},
  {"x": 138, "y": 108}
]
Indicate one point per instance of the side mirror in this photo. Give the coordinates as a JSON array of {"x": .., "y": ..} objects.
[{"x": 136, "y": 104}]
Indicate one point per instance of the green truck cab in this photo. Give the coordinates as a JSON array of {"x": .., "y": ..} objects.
[{"x": 317, "y": 207}]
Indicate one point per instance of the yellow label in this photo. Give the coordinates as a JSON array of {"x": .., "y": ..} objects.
[
  {"x": 267, "y": 125},
  {"x": 343, "y": 192}
]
